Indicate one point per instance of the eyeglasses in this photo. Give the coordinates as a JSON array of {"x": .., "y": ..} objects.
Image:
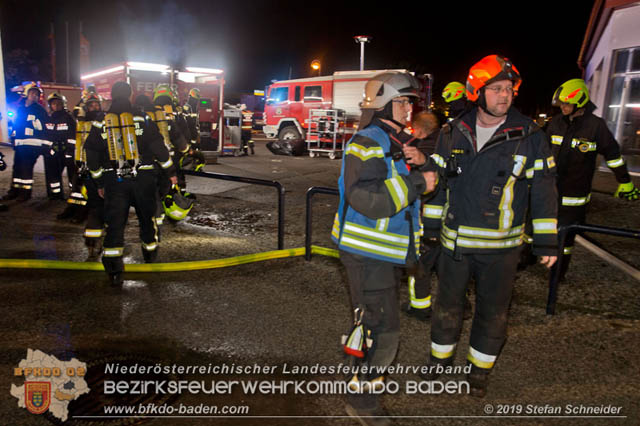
[
  {"x": 402, "y": 102},
  {"x": 497, "y": 90}
]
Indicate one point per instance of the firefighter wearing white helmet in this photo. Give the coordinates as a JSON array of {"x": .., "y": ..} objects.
[
  {"x": 61, "y": 131},
  {"x": 377, "y": 228},
  {"x": 577, "y": 137}
]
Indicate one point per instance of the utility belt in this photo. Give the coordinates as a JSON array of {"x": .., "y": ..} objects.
[{"x": 129, "y": 172}]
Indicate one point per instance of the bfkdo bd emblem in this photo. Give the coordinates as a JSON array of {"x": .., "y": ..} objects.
[{"x": 37, "y": 396}]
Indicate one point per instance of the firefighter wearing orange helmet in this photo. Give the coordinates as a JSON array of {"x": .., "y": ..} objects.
[
  {"x": 494, "y": 165},
  {"x": 577, "y": 137}
]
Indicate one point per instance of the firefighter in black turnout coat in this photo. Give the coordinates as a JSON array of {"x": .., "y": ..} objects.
[{"x": 132, "y": 144}]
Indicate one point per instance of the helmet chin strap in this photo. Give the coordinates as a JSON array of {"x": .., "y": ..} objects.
[
  {"x": 387, "y": 114},
  {"x": 482, "y": 103}
]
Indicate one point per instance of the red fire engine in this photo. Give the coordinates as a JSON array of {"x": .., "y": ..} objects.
[
  {"x": 323, "y": 110},
  {"x": 144, "y": 77}
]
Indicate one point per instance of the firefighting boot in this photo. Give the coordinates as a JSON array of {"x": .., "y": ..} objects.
[
  {"x": 80, "y": 214},
  {"x": 150, "y": 256},
  {"x": 67, "y": 213},
  {"x": 423, "y": 314},
  {"x": 94, "y": 248},
  {"x": 116, "y": 279},
  {"x": 434, "y": 368},
  {"x": 478, "y": 384},
  {"x": 12, "y": 194},
  {"x": 24, "y": 195}
]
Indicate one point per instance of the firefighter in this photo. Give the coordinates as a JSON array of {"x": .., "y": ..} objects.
[
  {"x": 577, "y": 137},
  {"x": 454, "y": 95},
  {"x": 61, "y": 130},
  {"x": 194, "y": 160},
  {"x": 494, "y": 165},
  {"x": 121, "y": 152},
  {"x": 426, "y": 129},
  {"x": 247, "y": 126},
  {"x": 30, "y": 142},
  {"x": 94, "y": 228},
  {"x": 377, "y": 227},
  {"x": 164, "y": 114}
]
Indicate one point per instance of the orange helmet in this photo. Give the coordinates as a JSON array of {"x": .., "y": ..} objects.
[{"x": 491, "y": 68}]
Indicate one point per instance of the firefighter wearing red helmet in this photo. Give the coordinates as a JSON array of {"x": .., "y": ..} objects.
[
  {"x": 494, "y": 165},
  {"x": 577, "y": 137},
  {"x": 30, "y": 142}
]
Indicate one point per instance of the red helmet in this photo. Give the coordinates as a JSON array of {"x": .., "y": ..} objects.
[{"x": 491, "y": 68}]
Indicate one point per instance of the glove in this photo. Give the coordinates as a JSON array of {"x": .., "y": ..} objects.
[{"x": 627, "y": 191}]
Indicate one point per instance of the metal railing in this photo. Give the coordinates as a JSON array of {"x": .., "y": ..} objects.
[
  {"x": 563, "y": 232},
  {"x": 252, "y": 181},
  {"x": 307, "y": 234}
]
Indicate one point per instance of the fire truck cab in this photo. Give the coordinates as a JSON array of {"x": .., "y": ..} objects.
[{"x": 289, "y": 102}]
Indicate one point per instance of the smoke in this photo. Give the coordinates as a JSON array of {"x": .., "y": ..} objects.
[{"x": 167, "y": 33}]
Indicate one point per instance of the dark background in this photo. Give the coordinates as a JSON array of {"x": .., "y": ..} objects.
[{"x": 257, "y": 41}]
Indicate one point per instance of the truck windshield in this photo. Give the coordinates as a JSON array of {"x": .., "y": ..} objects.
[{"x": 278, "y": 95}]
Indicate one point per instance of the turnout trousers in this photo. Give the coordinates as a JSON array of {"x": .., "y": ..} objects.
[
  {"x": 373, "y": 288},
  {"x": 119, "y": 195},
  {"x": 420, "y": 287},
  {"x": 94, "y": 228},
  {"x": 494, "y": 275},
  {"x": 23, "y": 163}
]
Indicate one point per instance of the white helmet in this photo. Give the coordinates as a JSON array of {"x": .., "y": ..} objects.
[{"x": 382, "y": 88}]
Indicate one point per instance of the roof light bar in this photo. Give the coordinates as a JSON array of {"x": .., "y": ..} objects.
[
  {"x": 103, "y": 72},
  {"x": 205, "y": 70},
  {"x": 144, "y": 66}
]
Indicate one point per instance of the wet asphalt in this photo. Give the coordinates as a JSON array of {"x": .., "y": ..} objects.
[{"x": 289, "y": 312}]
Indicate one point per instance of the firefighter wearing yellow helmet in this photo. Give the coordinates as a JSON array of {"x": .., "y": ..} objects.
[
  {"x": 173, "y": 129},
  {"x": 454, "y": 94},
  {"x": 577, "y": 137},
  {"x": 194, "y": 160}
]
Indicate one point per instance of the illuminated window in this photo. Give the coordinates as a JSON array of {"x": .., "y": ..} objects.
[{"x": 278, "y": 95}]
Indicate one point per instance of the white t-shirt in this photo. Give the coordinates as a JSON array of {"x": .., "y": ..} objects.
[{"x": 483, "y": 134}]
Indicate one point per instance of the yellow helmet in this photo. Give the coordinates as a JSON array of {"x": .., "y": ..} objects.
[
  {"x": 571, "y": 92},
  {"x": 453, "y": 91}
]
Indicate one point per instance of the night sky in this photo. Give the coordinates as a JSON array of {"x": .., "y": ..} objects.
[{"x": 257, "y": 41}]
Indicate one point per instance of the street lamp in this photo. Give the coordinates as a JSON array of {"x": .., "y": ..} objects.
[
  {"x": 362, "y": 39},
  {"x": 316, "y": 65}
]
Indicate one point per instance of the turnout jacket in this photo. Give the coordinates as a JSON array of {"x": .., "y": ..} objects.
[
  {"x": 575, "y": 145},
  {"x": 151, "y": 146},
  {"x": 29, "y": 127},
  {"x": 61, "y": 129},
  {"x": 379, "y": 211},
  {"x": 484, "y": 196}
]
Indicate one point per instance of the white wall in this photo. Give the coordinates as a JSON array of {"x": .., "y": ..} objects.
[{"x": 622, "y": 31}]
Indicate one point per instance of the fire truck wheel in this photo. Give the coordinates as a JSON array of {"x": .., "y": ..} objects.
[
  {"x": 332, "y": 155},
  {"x": 312, "y": 154},
  {"x": 289, "y": 132}
]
